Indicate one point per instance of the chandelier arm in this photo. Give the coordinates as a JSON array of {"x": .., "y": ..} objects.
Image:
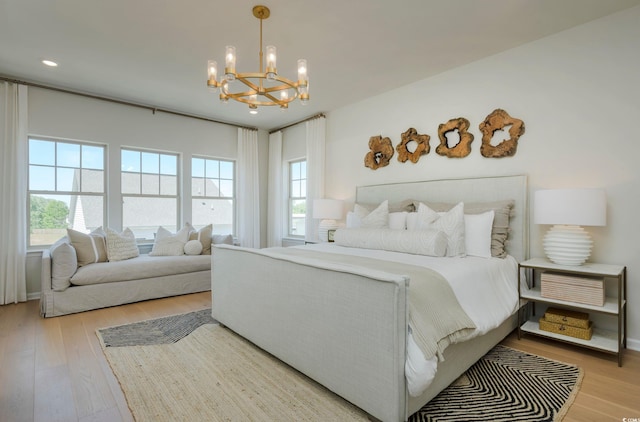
[{"x": 244, "y": 78}]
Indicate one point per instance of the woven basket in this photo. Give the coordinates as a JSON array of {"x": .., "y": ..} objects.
[
  {"x": 567, "y": 330},
  {"x": 567, "y": 317}
]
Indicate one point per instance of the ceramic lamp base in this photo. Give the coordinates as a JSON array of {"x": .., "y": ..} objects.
[
  {"x": 567, "y": 245},
  {"x": 324, "y": 227}
]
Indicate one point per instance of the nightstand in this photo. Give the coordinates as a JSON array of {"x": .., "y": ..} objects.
[{"x": 615, "y": 306}]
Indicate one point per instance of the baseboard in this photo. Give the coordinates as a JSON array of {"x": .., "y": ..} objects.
[
  {"x": 33, "y": 296},
  {"x": 633, "y": 344}
]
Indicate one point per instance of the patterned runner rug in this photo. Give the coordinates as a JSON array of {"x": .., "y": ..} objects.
[{"x": 188, "y": 368}]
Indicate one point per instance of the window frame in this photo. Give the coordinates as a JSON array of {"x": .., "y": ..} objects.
[
  {"x": 292, "y": 198},
  {"x": 233, "y": 198},
  {"x": 56, "y": 191},
  {"x": 141, "y": 172}
]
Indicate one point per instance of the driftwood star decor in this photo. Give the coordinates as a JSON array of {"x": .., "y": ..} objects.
[
  {"x": 498, "y": 120},
  {"x": 381, "y": 151},
  {"x": 463, "y": 147},
  {"x": 422, "y": 146}
]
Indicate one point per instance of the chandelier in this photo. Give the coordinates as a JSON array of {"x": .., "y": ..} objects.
[{"x": 263, "y": 88}]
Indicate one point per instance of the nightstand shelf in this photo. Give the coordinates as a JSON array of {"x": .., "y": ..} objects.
[{"x": 610, "y": 341}]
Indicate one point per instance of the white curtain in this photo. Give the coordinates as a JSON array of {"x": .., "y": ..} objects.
[
  {"x": 248, "y": 189},
  {"x": 277, "y": 200},
  {"x": 13, "y": 191},
  {"x": 315, "y": 172}
]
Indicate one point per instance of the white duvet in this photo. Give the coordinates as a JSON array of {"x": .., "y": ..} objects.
[{"x": 486, "y": 288}]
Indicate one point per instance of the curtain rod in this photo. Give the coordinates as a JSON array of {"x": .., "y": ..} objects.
[
  {"x": 298, "y": 122},
  {"x": 112, "y": 100}
]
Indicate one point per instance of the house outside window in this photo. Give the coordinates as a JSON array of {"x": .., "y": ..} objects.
[
  {"x": 297, "y": 198},
  {"x": 66, "y": 188},
  {"x": 213, "y": 194},
  {"x": 150, "y": 192}
]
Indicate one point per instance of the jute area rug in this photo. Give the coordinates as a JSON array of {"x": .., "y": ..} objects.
[{"x": 189, "y": 368}]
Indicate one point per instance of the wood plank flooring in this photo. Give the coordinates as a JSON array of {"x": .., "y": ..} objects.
[{"x": 53, "y": 369}]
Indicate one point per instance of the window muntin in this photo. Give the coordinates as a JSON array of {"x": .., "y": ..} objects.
[
  {"x": 150, "y": 190},
  {"x": 297, "y": 198},
  {"x": 213, "y": 194},
  {"x": 66, "y": 188}
]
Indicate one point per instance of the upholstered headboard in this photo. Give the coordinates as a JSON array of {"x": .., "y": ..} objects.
[{"x": 480, "y": 189}]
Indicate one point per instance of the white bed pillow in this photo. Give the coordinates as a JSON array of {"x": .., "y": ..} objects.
[
  {"x": 450, "y": 222},
  {"x": 412, "y": 221},
  {"x": 121, "y": 246},
  {"x": 378, "y": 218},
  {"x": 398, "y": 220},
  {"x": 477, "y": 234},
  {"x": 419, "y": 242},
  {"x": 169, "y": 244}
]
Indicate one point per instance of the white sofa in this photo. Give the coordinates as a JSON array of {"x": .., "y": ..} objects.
[{"x": 105, "y": 284}]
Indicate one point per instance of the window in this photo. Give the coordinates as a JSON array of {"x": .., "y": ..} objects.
[
  {"x": 297, "y": 197},
  {"x": 213, "y": 194},
  {"x": 66, "y": 189},
  {"x": 149, "y": 191}
]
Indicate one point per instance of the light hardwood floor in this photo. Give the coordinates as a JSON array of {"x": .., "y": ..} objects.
[{"x": 54, "y": 370}]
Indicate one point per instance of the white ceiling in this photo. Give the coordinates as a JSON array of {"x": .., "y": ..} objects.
[{"x": 154, "y": 52}]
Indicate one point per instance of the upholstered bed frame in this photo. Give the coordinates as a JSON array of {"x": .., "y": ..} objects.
[{"x": 347, "y": 328}]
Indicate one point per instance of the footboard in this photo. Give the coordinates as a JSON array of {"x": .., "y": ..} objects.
[{"x": 344, "y": 327}]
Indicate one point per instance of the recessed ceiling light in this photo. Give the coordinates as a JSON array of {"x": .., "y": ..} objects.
[{"x": 50, "y": 63}]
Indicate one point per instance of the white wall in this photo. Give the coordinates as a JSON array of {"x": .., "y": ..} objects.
[
  {"x": 73, "y": 117},
  {"x": 577, "y": 92}
]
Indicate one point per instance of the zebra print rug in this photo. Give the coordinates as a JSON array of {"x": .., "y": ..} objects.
[{"x": 506, "y": 385}]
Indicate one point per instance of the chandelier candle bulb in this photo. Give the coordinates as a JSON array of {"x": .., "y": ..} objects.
[
  {"x": 302, "y": 72},
  {"x": 212, "y": 75},
  {"x": 230, "y": 63},
  {"x": 271, "y": 63}
]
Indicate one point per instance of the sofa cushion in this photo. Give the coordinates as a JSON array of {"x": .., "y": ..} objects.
[{"x": 144, "y": 266}]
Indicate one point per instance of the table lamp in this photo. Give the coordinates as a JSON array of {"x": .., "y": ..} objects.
[
  {"x": 328, "y": 211},
  {"x": 567, "y": 243}
]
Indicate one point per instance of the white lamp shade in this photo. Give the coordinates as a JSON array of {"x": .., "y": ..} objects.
[
  {"x": 566, "y": 243},
  {"x": 576, "y": 207},
  {"x": 327, "y": 209}
]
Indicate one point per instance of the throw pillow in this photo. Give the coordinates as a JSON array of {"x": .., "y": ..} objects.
[
  {"x": 169, "y": 244},
  {"x": 204, "y": 235},
  {"x": 121, "y": 246},
  {"x": 477, "y": 234},
  {"x": 378, "y": 218},
  {"x": 193, "y": 247},
  {"x": 218, "y": 239},
  {"x": 90, "y": 248},
  {"x": 64, "y": 263},
  {"x": 450, "y": 222},
  {"x": 500, "y": 230}
]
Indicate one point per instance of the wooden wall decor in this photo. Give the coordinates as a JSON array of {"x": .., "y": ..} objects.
[
  {"x": 381, "y": 151},
  {"x": 422, "y": 147},
  {"x": 463, "y": 147},
  {"x": 495, "y": 121}
]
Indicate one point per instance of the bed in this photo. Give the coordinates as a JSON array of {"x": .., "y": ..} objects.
[{"x": 346, "y": 325}]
